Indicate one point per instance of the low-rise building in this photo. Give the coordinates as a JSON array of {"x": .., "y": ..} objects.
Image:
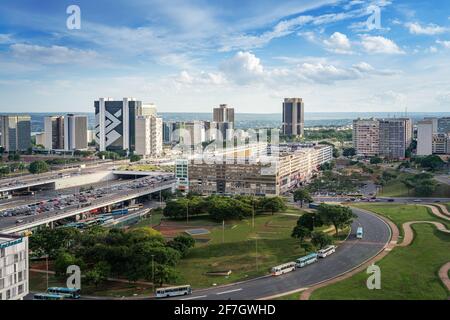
[{"x": 13, "y": 267}]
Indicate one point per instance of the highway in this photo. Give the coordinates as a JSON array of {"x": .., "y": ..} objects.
[
  {"x": 350, "y": 254},
  {"x": 9, "y": 225}
]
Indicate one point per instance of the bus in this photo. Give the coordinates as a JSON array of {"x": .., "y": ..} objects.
[
  {"x": 71, "y": 293},
  {"x": 282, "y": 269},
  {"x": 46, "y": 296},
  {"x": 304, "y": 261},
  {"x": 359, "y": 233},
  {"x": 326, "y": 251},
  {"x": 173, "y": 291}
]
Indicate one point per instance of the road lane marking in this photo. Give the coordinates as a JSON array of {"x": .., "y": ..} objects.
[
  {"x": 192, "y": 298},
  {"x": 229, "y": 291}
]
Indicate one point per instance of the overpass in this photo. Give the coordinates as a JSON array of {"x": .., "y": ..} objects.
[{"x": 117, "y": 197}]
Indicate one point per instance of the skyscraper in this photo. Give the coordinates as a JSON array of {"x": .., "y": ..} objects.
[
  {"x": 15, "y": 132},
  {"x": 223, "y": 114},
  {"x": 366, "y": 137},
  {"x": 293, "y": 117},
  {"x": 75, "y": 132},
  {"x": 54, "y": 132},
  {"x": 223, "y": 122},
  {"x": 425, "y": 137},
  {"x": 115, "y": 123}
]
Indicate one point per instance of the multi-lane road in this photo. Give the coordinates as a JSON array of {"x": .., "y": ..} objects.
[{"x": 350, "y": 254}]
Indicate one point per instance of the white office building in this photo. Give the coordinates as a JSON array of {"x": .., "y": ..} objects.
[
  {"x": 425, "y": 137},
  {"x": 148, "y": 136},
  {"x": 13, "y": 267}
]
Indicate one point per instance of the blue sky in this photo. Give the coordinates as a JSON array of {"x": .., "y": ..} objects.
[{"x": 193, "y": 55}]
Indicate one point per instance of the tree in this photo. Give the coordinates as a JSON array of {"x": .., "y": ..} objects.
[
  {"x": 162, "y": 274},
  {"x": 338, "y": 216},
  {"x": 375, "y": 160},
  {"x": 409, "y": 184},
  {"x": 310, "y": 220},
  {"x": 135, "y": 158},
  {"x": 300, "y": 233},
  {"x": 272, "y": 204},
  {"x": 432, "y": 162},
  {"x": 349, "y": 152},
  {"x": 50, "y": 241},
  {"x": 302, "y": 195},
  {"x": 321, "y": 239},
  {"x": 63, "y": 260},
  {"x": 182, "y": 244},
  {"x": 38, "y": 166},
  {"x": 98, "y": 274},
  {"x": 425, "y": 187}
]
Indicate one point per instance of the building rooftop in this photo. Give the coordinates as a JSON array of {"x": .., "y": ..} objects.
[{"x": 7, "y": 240}]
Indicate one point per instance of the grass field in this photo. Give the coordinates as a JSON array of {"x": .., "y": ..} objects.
[
  {"x": 395, "y": 188},
  {"x": 407, "y": 272},
  {"x": 245, "y": 250},
  {"x": 292, "y": 296}
]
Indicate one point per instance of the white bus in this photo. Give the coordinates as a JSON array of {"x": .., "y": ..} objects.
[
  {"x": 173, "y": 291},
  {"x": 359, "y": 233},
  {"x": 326, "y": 251},
  {"x": 282, "y": 269}
]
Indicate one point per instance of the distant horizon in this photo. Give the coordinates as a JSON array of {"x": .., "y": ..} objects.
[{"x": 264, "y": 113}]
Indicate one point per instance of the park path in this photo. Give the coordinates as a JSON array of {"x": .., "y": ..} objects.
[
  {"x": 437, "y": 212},
  {"x": 408, "y": 236},
  {"x": 443, "y": 209}
]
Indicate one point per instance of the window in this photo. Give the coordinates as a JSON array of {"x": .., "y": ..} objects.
[
  {"x": 20, "y": 289},
  {"x": 2, "y": 252}
]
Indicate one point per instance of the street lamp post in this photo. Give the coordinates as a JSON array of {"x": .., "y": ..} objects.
[{"x": 153, "y": 272}]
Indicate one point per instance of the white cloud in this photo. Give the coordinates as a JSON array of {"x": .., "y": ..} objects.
[
  {"x": 445, "y": 44},
  {"x": 51, "y": 55},
  {"x": 202, "y": 78},
  {"x": 379, "y": 44},
  {"x": 338, "y": 43},
  {"x": 5, "y": 38},
  {"x": 243, "y": 67},
  {"x": 431, "y": 29}
]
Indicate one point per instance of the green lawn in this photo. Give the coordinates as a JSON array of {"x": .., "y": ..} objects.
[
  {"x": 395, "y": 188},
  {"x": 407, "y": 272},
  {"x": 235, "y": 248},
  {"x": 292, "y": 296},
  {"x": 149, "y": 222}
]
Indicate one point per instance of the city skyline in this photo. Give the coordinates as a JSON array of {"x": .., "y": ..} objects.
[{"x": 321, "y": 51}]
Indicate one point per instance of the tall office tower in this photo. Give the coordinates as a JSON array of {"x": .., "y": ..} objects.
[
  {"x": 13, "y": 267},
  {"x": 395, "y": 137},
  {"x": 15, "y": 132},
  {"x": 425, "y": 137},
  {"x": 54, "y": 132},
  {"x": 223, "y": 122},
  {"x": 366, "y": 137},
  {"x": 148, "y": 109},
  {"x": 223, "y": 114},
  {"x": 148, "y": 136},
  {"x": 444, "y": 125},
  {"x": 293, "y": 117},
  {"x": 115, "y": 123},
  {"x": 169, "y": 128},
  {"x": 434, "y": 122},
  {"x": 75, "y": 132}
]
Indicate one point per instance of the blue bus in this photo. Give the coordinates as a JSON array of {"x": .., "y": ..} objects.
[
  {"x": 71, "y": 293},
  {"x": 359, "y": 233},
  {"x": 46, "y": 296},
  {"x": 304, "y": 261}
]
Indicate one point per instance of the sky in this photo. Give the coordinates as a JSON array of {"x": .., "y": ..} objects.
[{"x": 192, "y": 55}]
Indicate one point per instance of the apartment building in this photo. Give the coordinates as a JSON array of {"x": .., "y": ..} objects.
[
  {"x": 148, "y": 142},
  {"x": 13, "y": 267},
  {"x": 366, "y": 137},
  {"x": 266, "y": 175},
  {"x": 15, "y": 132},
  {"x": 54, "y": 133},
  {"x": 389, "y": 138}
]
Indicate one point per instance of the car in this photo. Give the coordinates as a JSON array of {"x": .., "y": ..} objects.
[
  {"x": 417, "y": 200},
  {"x": 391, "y": 200}
]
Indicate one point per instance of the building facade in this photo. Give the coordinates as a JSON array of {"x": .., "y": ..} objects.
[
  {"x": 54, "y": 132},
  {"x": 149, "y": 136},
  {"x": 366, "y": 137},
  {"x": 15, "y": 131},
  {"x": 75, "y": 132},
  {"x": 13, "y": 267},
  {"x": 293, "y": 117},
  {"x": 425, "y": 138},
  {"x": 443, "y": 125},
  {"x": 265, "y": 176},
  {"x": 389, "y": 138},
  {"x": 223, "y": 114}
]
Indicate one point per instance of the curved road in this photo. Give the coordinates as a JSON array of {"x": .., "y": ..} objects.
[{"x": 349, "y": 255}]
